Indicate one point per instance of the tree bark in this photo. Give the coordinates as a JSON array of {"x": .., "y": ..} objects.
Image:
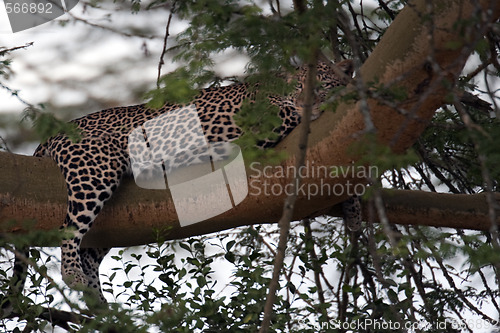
[{"x": 413, "y": 54}]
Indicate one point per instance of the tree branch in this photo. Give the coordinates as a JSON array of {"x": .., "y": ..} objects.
[{"x": 443, "y": 210}]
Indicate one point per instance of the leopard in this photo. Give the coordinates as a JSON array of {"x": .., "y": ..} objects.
[{"x": 94, "y": 166}]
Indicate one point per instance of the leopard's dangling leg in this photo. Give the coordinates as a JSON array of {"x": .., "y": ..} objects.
[
  {"x": 91, "y": 259},
  {"x": 83, "y": 208},
  {"x": 89, "y": 188},
  {"x": 351, "y": 209}
]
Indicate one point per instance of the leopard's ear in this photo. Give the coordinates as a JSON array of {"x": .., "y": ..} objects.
[{"x": 346, "y": 66}]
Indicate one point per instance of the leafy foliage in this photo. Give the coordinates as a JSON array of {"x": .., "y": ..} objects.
[{"x": 46, "y": 125}]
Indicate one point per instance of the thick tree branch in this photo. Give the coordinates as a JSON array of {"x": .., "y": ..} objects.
[
  {"x": 32, "y": 188},
  {"x": 405, "y": 207}
]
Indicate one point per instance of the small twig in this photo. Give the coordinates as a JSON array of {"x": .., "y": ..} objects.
[
  {"x": 15, "y": 93},
  {"x": 116, "y": 31},
  {"x": 488, "y": 289},
  {"x": 389, "y": 11},
  {"x": 492, "y": 60},
  {"x": 492, "y": 94},
  {"x": 4, "y": 145},
  {"x": 165, "y": 39},
  {"x": 478, "y": 69},
  {"x": 316, "y": 267},
  {"x": 490, "y": 198},
  {"x": 434, "y": 167},
  {"x": 472, "y": 100},
  {"x": 276, "y": 11},
  {"x": 4, "y": 51},
  {"x": 460, "y": 294},
  {"x": 347, "y": 270}
]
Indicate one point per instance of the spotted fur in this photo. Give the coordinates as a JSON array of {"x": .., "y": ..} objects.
[{"x": 94, "y": 167}]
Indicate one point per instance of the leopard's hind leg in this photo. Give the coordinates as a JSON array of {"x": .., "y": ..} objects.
[
  {"x": 93, "y": 171},
  {"x": 91, "y": 260}
]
